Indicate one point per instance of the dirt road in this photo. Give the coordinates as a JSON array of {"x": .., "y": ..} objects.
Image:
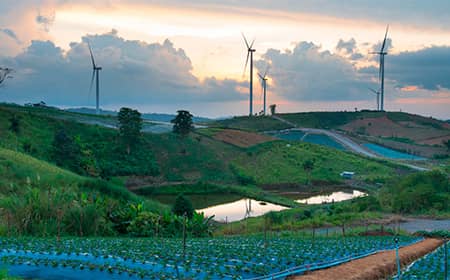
[{"x": 378, "y": 266}]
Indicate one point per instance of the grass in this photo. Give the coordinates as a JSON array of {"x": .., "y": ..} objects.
[
  {"x": 260, "y": 123},
  {"x": 279, "y": 163}
]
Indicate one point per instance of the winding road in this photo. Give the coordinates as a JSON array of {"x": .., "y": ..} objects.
[{"x": 347, "y": 142}]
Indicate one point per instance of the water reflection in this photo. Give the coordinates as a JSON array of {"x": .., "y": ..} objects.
[
  {"x": 240, "y": 209},
  {"x": 333, "y": 197}
]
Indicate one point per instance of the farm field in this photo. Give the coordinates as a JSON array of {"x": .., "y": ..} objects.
[
  {"x": 206, "y": 258},
  {"x": 429, "y": 267}
]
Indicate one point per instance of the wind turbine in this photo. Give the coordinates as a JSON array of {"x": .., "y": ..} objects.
[
  {"x": 377, "y": 92},
  {"x": 95, "y": 73},
  {"x": 264, "y": 86},
  {"x": 250, "y": 52},
  {"x": 382, "y": 53}
]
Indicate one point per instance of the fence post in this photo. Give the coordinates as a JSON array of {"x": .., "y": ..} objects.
[
  {"x": 184, "y": 236},
  {"x": 445, "y": 260},
  {"x": 399, "y": 271}
]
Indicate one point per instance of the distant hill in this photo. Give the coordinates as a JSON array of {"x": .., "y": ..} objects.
[
  {"x": 401, "y": 131},
  {"x": 147, "y": 116}
]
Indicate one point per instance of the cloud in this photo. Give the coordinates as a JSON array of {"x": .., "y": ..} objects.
[
  {"x": 427, "y": 68},
  {"x": 10, "y": 33},
  {"x": 349, "y": 49},
  {"x": 310, "y": 73},
  {"x": 134, "y": 72}
]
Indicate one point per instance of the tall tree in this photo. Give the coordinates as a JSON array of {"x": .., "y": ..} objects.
[
  {"x": 182, "y": 123},
  {"x": 66, "y": 151},
  {"x": 183, "y": 206},
  {"x": 130, "y": 125},
  {"x": 308, "y": 166},
  {"x": 14, "y": 126}
]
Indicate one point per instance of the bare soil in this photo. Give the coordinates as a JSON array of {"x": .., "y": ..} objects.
[
  {"x": 378, "y": 266},
  {"x": 240, "y": 138},
  {"x": 384, "y": 127}
]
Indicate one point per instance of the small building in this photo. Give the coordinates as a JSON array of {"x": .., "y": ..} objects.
[{"x": 347, "y": 174}]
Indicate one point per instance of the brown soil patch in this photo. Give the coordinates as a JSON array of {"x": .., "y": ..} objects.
[
  {"x": 378, "y": 266},
  {"x": 240, "y": 138},
  {"x": 384, "y": 127},
  {"x": 435, "y": 141}
]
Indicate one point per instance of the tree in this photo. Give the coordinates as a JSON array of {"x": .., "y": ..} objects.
[
  {"x": 308, "y": 166},
  {"x": 183, "y": 206},
  {"x": 182, "y": 124},
  {"x": 66, "y": 152},
  {"x": 447, "y": 144},
  {"x": 14, "y": 126},
  {"x": 130, "y": 125}
]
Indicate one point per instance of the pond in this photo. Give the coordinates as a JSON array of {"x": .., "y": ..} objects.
[
  {"x": 225, "y": 207},
  {"x": 389, "y": 153},
  {"x": 332, "y": 197},
  {"x": 297, "y": 135},
  {"x": 240, "y": 209}
]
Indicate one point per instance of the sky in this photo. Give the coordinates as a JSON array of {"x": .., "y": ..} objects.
[{"x": 166, "y": 55}]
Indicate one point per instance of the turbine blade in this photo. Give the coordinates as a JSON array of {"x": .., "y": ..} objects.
[
  {"x": 265, "y": 72},
  {"x": 372, "y": 90},
  {"x": 251, "y": 45},
  {"x": 92, "y": 82},
  {"x": 385, "y": 37},
  {"x": 262, "y": 78},
  {"x": 92, "y": 56},
  {"x": 246, "y": 62},
  {"x": 245, "y": 40}
]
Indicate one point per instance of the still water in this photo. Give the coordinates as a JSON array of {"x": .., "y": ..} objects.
[
  {"x": 333, "y": 197},
  {"x": 239, "y": 210}
]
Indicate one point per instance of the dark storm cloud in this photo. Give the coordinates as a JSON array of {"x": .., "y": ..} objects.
[
  {"x": 133, "y": 72},
  {"x": 428, "y": 68}
]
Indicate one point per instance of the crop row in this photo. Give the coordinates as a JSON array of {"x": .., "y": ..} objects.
[
  {"x": 218, "y": 258},
  {"x": 431, "y": 266}
]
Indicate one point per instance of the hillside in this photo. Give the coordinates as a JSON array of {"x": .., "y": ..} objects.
[
  {"x": 38, "y": 198},
  {"x": 404, "y": 132},
  {"x": 208, "y": 155}
]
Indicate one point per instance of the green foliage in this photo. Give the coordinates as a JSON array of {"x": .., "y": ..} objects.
[
  {"x": 14, "y": 124},
  {"x": 183, "y": 206},
  {"x": 147, "y": 224},
  {"x": 278, "y": 163},
  {"x": 417, "y": 193},
  {"x": 66, "y": 152},
  {"x": 447, "y": 144},
  {"x": 92, "y": 150},
  {"x": 182, "y": 124},
  {"x": 434, "y": 234},
  {"x": 37, "y": 198},
  {"x": 130, "y": 125}
]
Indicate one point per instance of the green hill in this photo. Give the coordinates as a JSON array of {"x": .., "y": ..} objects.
[
  {"x": 164, "y": 159},
  {"x": 38, "y": 198},
  {"x": 400, "y": 131}
]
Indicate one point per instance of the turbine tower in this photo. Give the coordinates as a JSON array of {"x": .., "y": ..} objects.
[
  {"x": 250, "y": 52},
  {"x": 377, "y": 92},
  {"x": 382, "y": 53},
  {"x": 264, "y": 87},
  {"x": 95, "y": 74}
]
